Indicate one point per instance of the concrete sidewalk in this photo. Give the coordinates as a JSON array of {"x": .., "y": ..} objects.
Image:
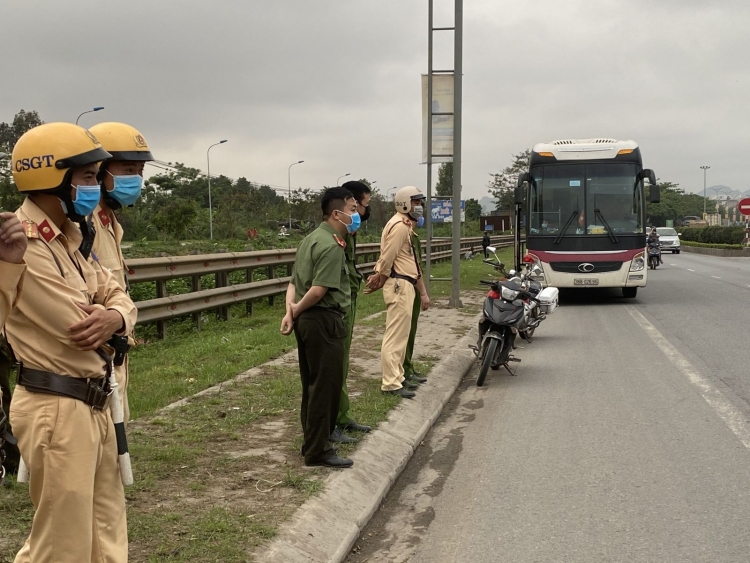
[{"x": 325, "y": 527}]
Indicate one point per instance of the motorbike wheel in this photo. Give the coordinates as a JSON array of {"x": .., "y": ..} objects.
[
  {"x": 529, "y": 332},
  {"x": 489, "y": 354}
]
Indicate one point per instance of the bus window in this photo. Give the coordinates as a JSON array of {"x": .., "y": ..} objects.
[
  {"x": 556, "y": 192},
  {"x": 613, "y": 197}
]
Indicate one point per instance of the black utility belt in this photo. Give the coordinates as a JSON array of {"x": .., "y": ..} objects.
[
  {"x": 93, "y": 392},
  {"x": 403, "y": 277}
]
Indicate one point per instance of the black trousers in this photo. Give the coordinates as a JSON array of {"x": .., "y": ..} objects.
[
  {"x": 321, "y": 338},
  {"x": 485, "y": 251},
  {"x": 12, "y": 456}
]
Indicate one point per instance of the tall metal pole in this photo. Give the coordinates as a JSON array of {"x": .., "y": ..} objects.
[
  {"x": 289, "y": 180},
  {"x": 210, "y": 206},
  {"x": 339, "y": 178},
  {"x": 455, "y": 300},
  {"x": 704, "y": 168},
  {"x": 428, "y": 211}
]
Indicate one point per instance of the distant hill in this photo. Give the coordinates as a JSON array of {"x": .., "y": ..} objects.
[{"x": 488, "y": 204}]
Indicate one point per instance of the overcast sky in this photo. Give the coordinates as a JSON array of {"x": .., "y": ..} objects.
[{"x": 337, "y": 82}]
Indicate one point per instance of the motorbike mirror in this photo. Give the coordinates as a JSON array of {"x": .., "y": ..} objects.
[
  {"x": 492, "y": 249},
  {"x": 536, "y": 270}
]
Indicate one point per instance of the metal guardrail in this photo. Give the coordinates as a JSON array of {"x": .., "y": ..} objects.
[{"x": 166, "y": 307}]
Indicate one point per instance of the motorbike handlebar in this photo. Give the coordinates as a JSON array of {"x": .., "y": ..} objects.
[{"x": 485, "y": 282}]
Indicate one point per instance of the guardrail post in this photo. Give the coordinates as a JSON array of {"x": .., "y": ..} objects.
[
  {"x": 271, "y": 276},
  {"x": 161, "y": 291},
  {"x": 249, "y": 303},
  {"x": 222, "y": 280},
  {"x": 195, "y": 285}
]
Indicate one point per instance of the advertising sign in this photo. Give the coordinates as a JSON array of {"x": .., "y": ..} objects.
[
  {"x": 442, "y": 125},
  {"x": 442, "y": 211}
]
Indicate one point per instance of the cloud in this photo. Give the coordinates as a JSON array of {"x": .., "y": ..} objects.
[{"x": 336, "y": 83}]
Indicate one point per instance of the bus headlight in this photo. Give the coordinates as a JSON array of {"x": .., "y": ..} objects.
[{"x": 637, "y": 263}]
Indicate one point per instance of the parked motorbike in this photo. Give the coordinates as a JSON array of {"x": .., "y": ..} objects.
[
  {"x": 654, "y": 254},
  {"x": 513, "y": 306}
]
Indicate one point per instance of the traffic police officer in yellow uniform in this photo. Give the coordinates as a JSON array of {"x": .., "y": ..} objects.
[
  {"x": 68, "y": 310},
  {"x": 317, "y": 299},
  {"x": 121, "y": 179},
  {"x": 397, "y": 271},
  {"x": 12, "y": 248}
]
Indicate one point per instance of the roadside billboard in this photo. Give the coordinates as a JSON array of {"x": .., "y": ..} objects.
[{"x": 442, "y": 211}]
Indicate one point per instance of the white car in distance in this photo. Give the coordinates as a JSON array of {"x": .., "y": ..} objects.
[{"x": 669, "y": 239}]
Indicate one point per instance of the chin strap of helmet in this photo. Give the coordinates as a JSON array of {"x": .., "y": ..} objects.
[{"x": 62, "y": 192}]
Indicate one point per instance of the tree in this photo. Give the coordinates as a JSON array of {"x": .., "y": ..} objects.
[
  {"x": 675, "y": 204},
  {"x": 502, "y": 185},
  {"x": 472, "y": 209},
  {"x": 9, "y": 134},
  {"x": 444, "y": 186}
]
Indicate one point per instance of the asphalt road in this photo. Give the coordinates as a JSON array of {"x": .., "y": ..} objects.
[{"x": 625, "y": 436}]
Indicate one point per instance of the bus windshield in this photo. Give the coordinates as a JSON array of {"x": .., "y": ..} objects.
[{"x": 586, "y": 199}]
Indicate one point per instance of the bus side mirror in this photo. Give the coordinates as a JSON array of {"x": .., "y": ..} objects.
[
  {"x": 654, "y": 194},
  {"x": 523, "y": 177},
  {"x": 518, "y": 196}
]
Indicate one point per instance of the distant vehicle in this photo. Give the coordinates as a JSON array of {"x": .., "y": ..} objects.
[
  {"x": 694, "y": 221},
  {"x": 669, "y": 239},
  {"x": 585, "y": 206}
]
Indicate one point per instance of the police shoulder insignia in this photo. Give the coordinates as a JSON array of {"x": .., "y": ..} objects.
[
  {"x": 103, "y": 217},
  {"x": 32, "y": 231},
  {"x": 341, "y": 242},
  {"x": 47, "y": 232}
]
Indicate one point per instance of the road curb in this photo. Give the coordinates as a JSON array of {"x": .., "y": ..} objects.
[{"x": 325, "y": 527}]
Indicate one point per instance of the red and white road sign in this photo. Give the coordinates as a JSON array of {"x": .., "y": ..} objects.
[{"x": 744, "y": 206}]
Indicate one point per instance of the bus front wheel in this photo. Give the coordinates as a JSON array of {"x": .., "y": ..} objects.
[{"x": 629, "y": 292}]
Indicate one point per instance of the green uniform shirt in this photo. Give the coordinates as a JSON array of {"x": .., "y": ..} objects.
[
  {"x": 321, "y": 261},
  {"x": 355, "y": 278},
  {"x": 417, "y": 247}
]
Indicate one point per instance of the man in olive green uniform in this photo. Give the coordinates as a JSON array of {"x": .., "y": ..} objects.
[
  {"x": 361, "y": 193},
  {"x": 317, "y": 299},
  {"x": 421, "y": 303}
]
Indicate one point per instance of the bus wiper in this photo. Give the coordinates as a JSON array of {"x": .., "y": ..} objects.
[
  {"x": 565, "y": 228},
  {"x": 610, "y": 232}
]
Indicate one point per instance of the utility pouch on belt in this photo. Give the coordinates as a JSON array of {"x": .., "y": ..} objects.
[
  {"x": 120, "y": 345},
  {"x": 93, "y": 392}
]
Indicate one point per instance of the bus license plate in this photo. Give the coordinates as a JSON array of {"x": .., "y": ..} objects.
[{"x": 586, "y": 281}]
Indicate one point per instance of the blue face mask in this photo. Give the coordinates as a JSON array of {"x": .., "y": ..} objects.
[
  {"x": 127, "y": 189},
  {"x": 420, "y": 222},
  {"x": 354, "y": 225},
  {"x": 87, "y": 198}
]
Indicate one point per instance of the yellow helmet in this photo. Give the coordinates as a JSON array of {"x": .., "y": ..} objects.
[
  {"x": 44, "y": 155},
  {"x": 122, "y": 141},
  {"x": 403, "y": 198}
]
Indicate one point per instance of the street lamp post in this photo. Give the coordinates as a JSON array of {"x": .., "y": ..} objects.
[
  {"x": 97, "y": 108},
  {"x": 208, "y": 175},
  {"x": 289, "y": 180},
  {"x": 704, "y": 168},
  {"x": 339, "y": 178}
]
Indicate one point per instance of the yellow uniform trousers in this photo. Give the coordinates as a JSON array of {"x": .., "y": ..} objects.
[
  {"x": 75, "y": 486},
  {"x": 398, "y": 295}
]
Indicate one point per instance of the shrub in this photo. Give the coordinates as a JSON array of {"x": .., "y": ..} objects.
[{"x": 713, "y": 235}]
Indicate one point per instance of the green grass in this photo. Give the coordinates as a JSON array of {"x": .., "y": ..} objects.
[{"x": 182, "y": 458}]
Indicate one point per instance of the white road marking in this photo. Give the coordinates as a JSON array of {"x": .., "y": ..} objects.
[
  {"x": 689, "y": 270},
  {"x": 731, "y": 416},
  {"x": 673, "y": 264},
  {"x": 716, "y": 277}
]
